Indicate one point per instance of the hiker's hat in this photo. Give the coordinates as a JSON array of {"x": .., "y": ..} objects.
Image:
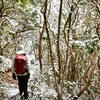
[{"x": 20, "y": 50}]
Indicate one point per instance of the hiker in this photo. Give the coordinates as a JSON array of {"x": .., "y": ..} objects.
[{"x": 20, "y": 68}]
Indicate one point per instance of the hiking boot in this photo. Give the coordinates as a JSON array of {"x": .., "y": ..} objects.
[
  {"x": 26, "y": 96},
  {"x": 21, "y": 97}
]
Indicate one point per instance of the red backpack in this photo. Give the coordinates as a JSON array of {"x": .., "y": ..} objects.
[{"x": 20, "y": 64}]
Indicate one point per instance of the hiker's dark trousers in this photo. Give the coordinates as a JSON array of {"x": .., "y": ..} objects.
[{"x": 23, "y": 82}]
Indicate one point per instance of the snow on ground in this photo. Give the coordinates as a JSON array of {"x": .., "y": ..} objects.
[{"x": 12, "y": 91}]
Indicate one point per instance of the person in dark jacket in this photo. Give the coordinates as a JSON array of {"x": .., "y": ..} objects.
[{"x": 22, "y": 78}]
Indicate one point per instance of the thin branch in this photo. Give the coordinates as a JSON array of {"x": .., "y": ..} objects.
[{"x": 88, "y": 83}]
